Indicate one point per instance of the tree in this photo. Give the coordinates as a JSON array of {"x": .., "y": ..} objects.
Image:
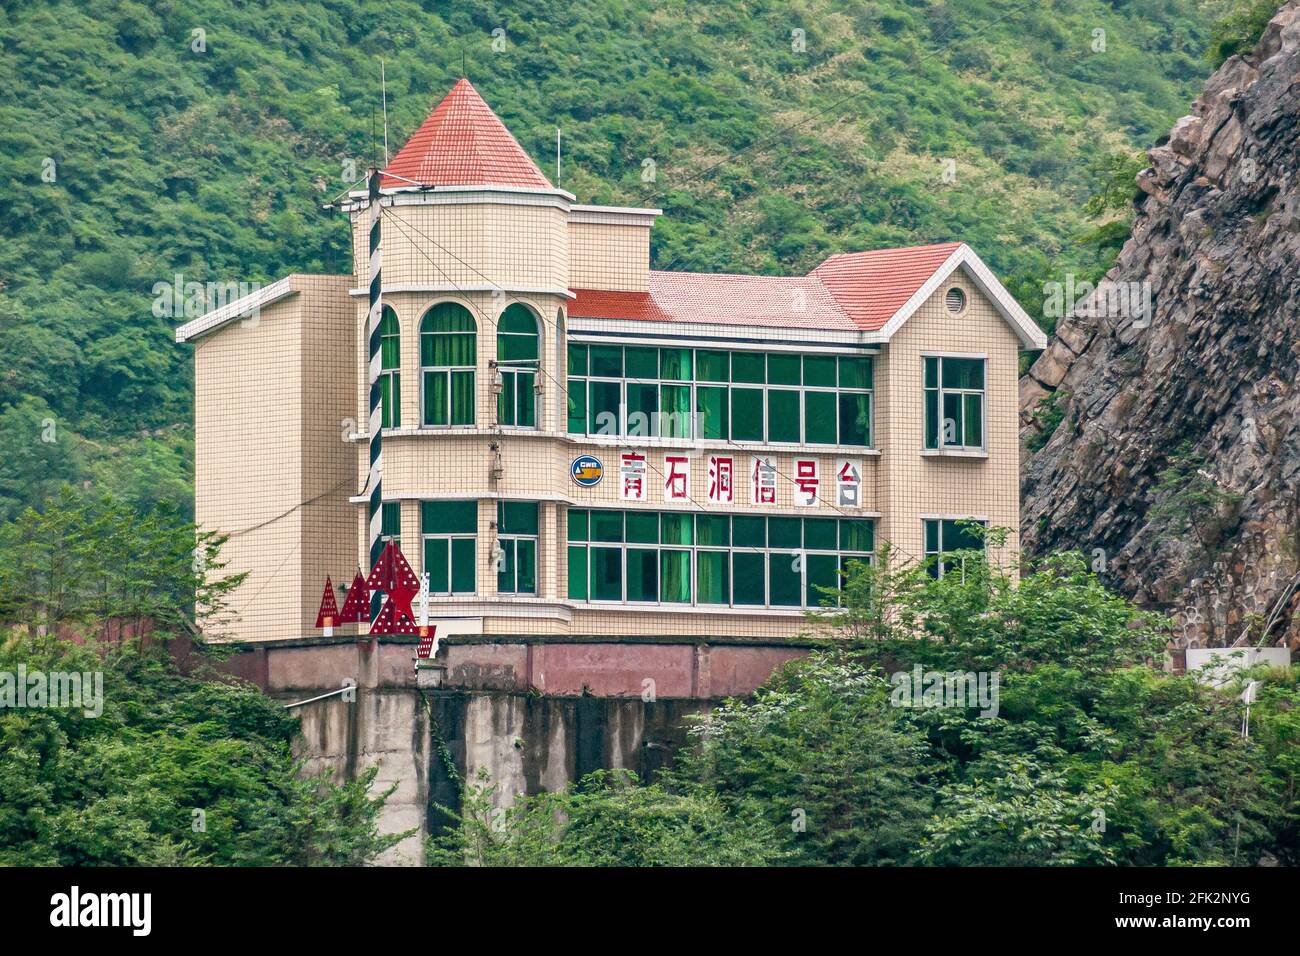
[
  {"x": 604, "y": 820},
  {"x": 173, "y": 771}
]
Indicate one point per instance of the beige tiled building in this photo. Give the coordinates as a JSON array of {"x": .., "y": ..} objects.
[{"x": 578, "y": 446}]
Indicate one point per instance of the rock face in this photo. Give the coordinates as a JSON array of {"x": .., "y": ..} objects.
[{"x": 1176, "y": 463}]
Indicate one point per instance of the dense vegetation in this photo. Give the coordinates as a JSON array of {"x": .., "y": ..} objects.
[
  {"x": 1094, "y": 756},
  {"x": 132, "y": 149},
  {"x": 162, "y": 769}
]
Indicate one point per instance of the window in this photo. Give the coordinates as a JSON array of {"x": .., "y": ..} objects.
[
  {"x": 448, "y": 356},
  {"x": 954, "y": 402},
  {"x": 942, "y": 538},
  {"x": 641, "y": 391},
  {"x": 390, "y": 376},
  {"x": 391, "y": 518},
  {"x": 723, "y": 560},
  {"x": 517, "y": 537},
  {"x": 517, "y": 359},
  {"x": 449, "y": 530}
]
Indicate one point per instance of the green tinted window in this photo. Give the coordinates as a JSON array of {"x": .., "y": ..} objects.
[
  {"x": 713, "y": 366},
  {"x": 855, "y": 373},
  {"x": 855, "y": 418},
  {"x": 963, "y": 373},
  {"x": 713, "y": 530},
  {"x": 675, "y": 575},
  {"x": 449, "y": 517},
  {"x": 606, "y": 574},
  {"x": 642, "y": 409},
  {"x": 747, "y": 414},
  {"x": 517, "y": 517},
  {"x": 579, "y": 523},
  {"x": 675, "y": 364},
  {"x": 819, "y": 534},
  {"x": 578, "y": 574},
  {"x": 642, "y": 362},
  {"x": 749, "y": 532},
  {"x": 784, "y": 533},
  {"x": 676, "y": 420},
  {"x": 856, "y": 535},
  {"x": 436, "y": 552},
  {"x": 462, "y": 566},
  {"x": 577, "y": 360},
  {"x": 783, "y": 369},
  {"x": 606, "y": 361},
  {"x": 642, "y": 575},
  {"x": 819, "y": 370},
  {"x": 785, "y": 582},
  {"x": 391, "y": 515},
  {"x": 823, "y": 572},
  {"x": 819, "y": 418},
  {"x": 577, "y": 401},
  {"x": 782, "y": 415},
  {"x": 750, "y": 574},
  {"x": 711, "y": 405},
  {"x": 677, "y": 528},
  {"x": 749, "y": 367},
  {"x": 712, "y": 581},
  {"x": 643, "y": 527},
  {"x": 602, "y": 408},
  {"x": 607, "y": 526}
]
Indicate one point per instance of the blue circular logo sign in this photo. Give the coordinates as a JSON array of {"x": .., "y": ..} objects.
[{"x": 587, "y": 471}]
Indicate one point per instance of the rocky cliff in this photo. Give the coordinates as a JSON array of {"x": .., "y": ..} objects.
[{"x": 1176, "y": 461}]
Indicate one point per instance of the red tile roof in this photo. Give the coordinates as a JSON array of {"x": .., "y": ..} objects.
[
  {"x": 856, "y": 291},
  {"x": 719, "y": 299},
  {"x": 463, "y": 143},
  {"x": 872, "y": 286}
]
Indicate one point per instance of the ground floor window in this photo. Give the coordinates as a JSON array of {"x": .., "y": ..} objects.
[
  {"x": 942, "y": 538},
  {"x": 653, "y": 557},
  {"x": 449, "y": 530},
  {"x": 517, "y": 537}
]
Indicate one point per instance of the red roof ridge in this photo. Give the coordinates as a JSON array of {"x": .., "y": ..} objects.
[{"x": 463, "y": 142}]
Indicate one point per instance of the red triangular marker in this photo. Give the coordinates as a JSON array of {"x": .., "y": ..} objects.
[
  {"x": 328, "y": 615},
  {"x": 392, "y": 572},
  {"x": 356, "y": 609},
  {"x": 392, "y": 620}
]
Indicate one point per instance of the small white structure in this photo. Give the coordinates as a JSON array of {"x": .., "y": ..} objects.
[{"x": 1217, "y": 665}]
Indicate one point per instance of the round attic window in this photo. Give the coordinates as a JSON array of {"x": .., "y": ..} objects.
[{"x": 955, "y": 300}]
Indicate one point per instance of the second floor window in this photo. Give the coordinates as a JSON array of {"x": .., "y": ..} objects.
[
  {"x": 708, "y": 394},
  {"x": 447, "y": 361},
  {"x": 390, "y": 362},
  {"x": 954, "y": 402},
  {"x": 517, "y": 354}
]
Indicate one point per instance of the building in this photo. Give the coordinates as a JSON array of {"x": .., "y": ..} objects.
[{"x": 583, "y": 453}]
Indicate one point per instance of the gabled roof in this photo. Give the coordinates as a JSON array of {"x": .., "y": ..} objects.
[
  {"x": 866, "y": 292},
  {"x": 872, "y": 286},
  {"x": 463, "y": 143}
]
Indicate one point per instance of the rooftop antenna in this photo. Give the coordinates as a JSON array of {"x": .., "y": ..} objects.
[
  {"x": 557, "y": 156},
  {"x": 383, "y": 87}
]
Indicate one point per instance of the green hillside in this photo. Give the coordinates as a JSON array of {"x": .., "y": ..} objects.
[{"x": 213, "y": 163}]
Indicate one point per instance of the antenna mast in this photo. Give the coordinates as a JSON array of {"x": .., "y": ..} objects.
[
  {"x": 383, "y": 86},
  {"x": 557, "y": 156}
]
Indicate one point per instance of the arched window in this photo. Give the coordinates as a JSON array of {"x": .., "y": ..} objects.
[
  {"x": 517, "y": 365},
  {"x": 447, "y": 360},
  {"x": 390, "y": 376}
]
